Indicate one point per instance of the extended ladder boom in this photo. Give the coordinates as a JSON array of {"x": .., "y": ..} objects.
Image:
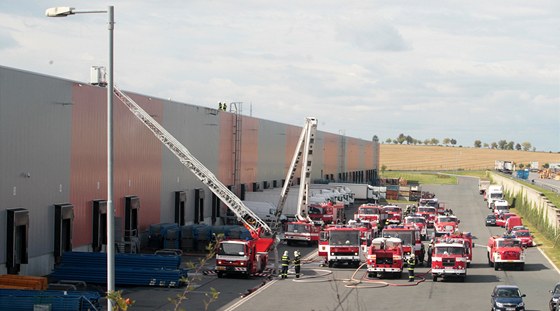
[
  {"x": 251, "y": 221},
  {"x": 303, "y": 153}
]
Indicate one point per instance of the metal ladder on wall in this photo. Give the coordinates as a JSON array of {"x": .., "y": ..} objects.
[{"x": 251, "y": 221}]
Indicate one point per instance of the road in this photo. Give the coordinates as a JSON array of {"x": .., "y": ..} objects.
[{"x": 324, "y": 288}]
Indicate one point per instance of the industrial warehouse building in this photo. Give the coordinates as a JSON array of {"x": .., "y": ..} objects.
[{"x": 53, "y": 164}]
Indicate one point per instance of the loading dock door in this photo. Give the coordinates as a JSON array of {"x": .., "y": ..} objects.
[
  {"x": 180, "y": 202},
  {"x": 63, "y": 220},
  {"x": 198, "y": 206},
  {"x": 132, "y": 206},
  {"x": 99, "y": 225},
  {"x": 17, "y": 239}
]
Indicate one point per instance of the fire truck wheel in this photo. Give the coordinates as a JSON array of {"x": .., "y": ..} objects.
[
  {"x": 462, "y": 278},
  {"x": 289, "y": 242},
  {"x": 522, "y": 266},
  {"x": 434, "y": 278},
  {"x": 371, "y": 275},
  {"x": 331, "y": 264},
  {"x": 468, "y": 264},
  {"x": 496, "y": 267},
  {"x": 220, "y": 274}
]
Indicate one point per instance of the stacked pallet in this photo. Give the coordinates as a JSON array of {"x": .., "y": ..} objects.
[
  {"x": 130, "y": 269},
  {"x": 24, "y": 300},
  {"x": 23, "y": 282}
]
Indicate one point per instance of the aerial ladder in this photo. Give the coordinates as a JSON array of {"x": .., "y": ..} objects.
[
  {"x": 304, "y": 229},
  {"x": 250, "y": 220},
  {"x": 303, "y": 153}
]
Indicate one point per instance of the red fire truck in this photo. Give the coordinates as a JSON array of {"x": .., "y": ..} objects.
[
  {"x": 394, "y": 214},
  {"x": 419, "y": 222},
  {"x": 445, "y": 225},
  {"x": 385, "y": 257},
  {"x": 428, "y": 212},
  {"x": 410, "y": 237},
  {"x": 370, "y": 212},
  {"x": 505, "y": 251},
  {"x": 464, "y": 238},
  {"x": 449, "y": 260},
  {"x": 339, "y": 244},
  {"x": 244, "y": 257}
]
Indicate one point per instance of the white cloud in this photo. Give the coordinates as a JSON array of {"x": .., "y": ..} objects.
[{"x": 369, "y": 68}]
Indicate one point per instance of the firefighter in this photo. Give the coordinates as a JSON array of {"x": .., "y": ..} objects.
[
  {"x": 285, "y": 264},
  {"x": 430, "y": 249},
  {"x": 411, "y": 263},
  {"x": 297, "y": 263}
]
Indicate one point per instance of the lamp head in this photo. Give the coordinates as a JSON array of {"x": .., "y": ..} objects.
[{"x": 60, "y": 11}]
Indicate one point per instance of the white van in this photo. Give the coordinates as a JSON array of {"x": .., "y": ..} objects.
[
  {"x": 264, "y": 210},
  {"x": 495, "y": 192}
]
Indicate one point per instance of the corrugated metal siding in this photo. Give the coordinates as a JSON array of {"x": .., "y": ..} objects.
[
  {"x": 331, "y": 154},
  {"x": 88, "y": 163},
  {"x": 292, "y": 137},
  {"x": 35, "y": 114},
  {"x": 226, "y": 148},
  {"x": 250, "y": 150},
  {"x": 272, "y": 145},
  {"x": 137, "y": 160}
]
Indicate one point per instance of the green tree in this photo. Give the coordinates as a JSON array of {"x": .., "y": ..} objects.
[
  {"x": 477, "y": 143},
  {"x": 453, "y": 141},
  {"x": 409, "y": 139},
  {"x": 494, "y": 145},
  {"x": 546, "y": 165},
  {"x": 509, "y": 146},
  {"x": 526, "y": 146},
  {"x": 518, "y": 146},
  {"x": 426, "y": 141},
  {"x": 445, "y": 141},
  {"x": 486, "y": 145},
  {"x": 388, "y": 140},
  {"x": 401, "y": 139},
  {"x": 434, "y": 141},
  {"x": 502, "y": 144}
]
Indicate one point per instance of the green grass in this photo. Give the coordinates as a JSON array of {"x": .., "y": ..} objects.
[
  {"x": 479, "y": 174},
  {"x": 425, "y": 178}
]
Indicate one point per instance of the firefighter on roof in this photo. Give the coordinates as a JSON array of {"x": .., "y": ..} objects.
[
  {"x": 285, "y": 264},
  {"x": 411, "y": 263}
]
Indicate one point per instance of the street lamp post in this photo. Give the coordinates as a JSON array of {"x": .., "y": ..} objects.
[{"x": 62, "y": 12}]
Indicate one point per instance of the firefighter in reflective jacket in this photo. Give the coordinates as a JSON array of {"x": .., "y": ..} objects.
[
  {"x": 411, "y": 263},
  {"x": 285, "y": 264},
  {"x": 297, "y": 263}
]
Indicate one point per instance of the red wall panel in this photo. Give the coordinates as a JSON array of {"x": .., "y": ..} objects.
[{"x": 136, "y": 165}]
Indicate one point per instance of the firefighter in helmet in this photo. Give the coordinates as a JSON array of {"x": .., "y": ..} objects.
[
  {"x": 411, "y": 262},
  {"x": 297, "y": 263},
  {"x": 285, "y": 264}
]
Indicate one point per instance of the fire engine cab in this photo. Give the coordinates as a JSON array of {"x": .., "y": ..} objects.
[
  {"x": 428, "y": 212},
  {"x": 410, "y": 237},
  {"x": 449, "y": 260},
  {"x": 385, "y": 257},
  {"x": 419, "y": 222},
  {"x": 340, "y": 245},
  {"x": 445, "y": 225},
  {"x": 504, "y": 251},
  {"x": 464, "y": 238},
  {"x": 369, "y": 212}
]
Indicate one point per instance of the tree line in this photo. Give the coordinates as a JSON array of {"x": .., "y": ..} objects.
[{"x": 499, "y": 145}]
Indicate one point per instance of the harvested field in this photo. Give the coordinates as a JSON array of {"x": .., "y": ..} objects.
[{"x": 405, "y": 157}]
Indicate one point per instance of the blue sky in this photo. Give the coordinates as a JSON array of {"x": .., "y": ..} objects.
[{"x": 468, "y": 70}]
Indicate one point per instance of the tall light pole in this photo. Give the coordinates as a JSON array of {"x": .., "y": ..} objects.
[{"x": 62, "y": 12}]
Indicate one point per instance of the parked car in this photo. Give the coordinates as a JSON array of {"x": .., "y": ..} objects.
[
  {"x": 525, "y": 236},
  {"x": 491, "y": 220},
  {"x": 554, "y": 303},
  {"x": 507, "y": 297}
]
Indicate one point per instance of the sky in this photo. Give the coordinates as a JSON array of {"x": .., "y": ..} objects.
[{"x": 467, "y": 70}]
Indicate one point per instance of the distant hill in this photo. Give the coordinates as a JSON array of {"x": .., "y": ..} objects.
[{"x": 411, "y": 157}]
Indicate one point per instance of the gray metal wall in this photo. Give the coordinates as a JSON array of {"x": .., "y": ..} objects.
[
  {"x": 35, "y": 134},
  {"x": 36, "y": 128}
]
